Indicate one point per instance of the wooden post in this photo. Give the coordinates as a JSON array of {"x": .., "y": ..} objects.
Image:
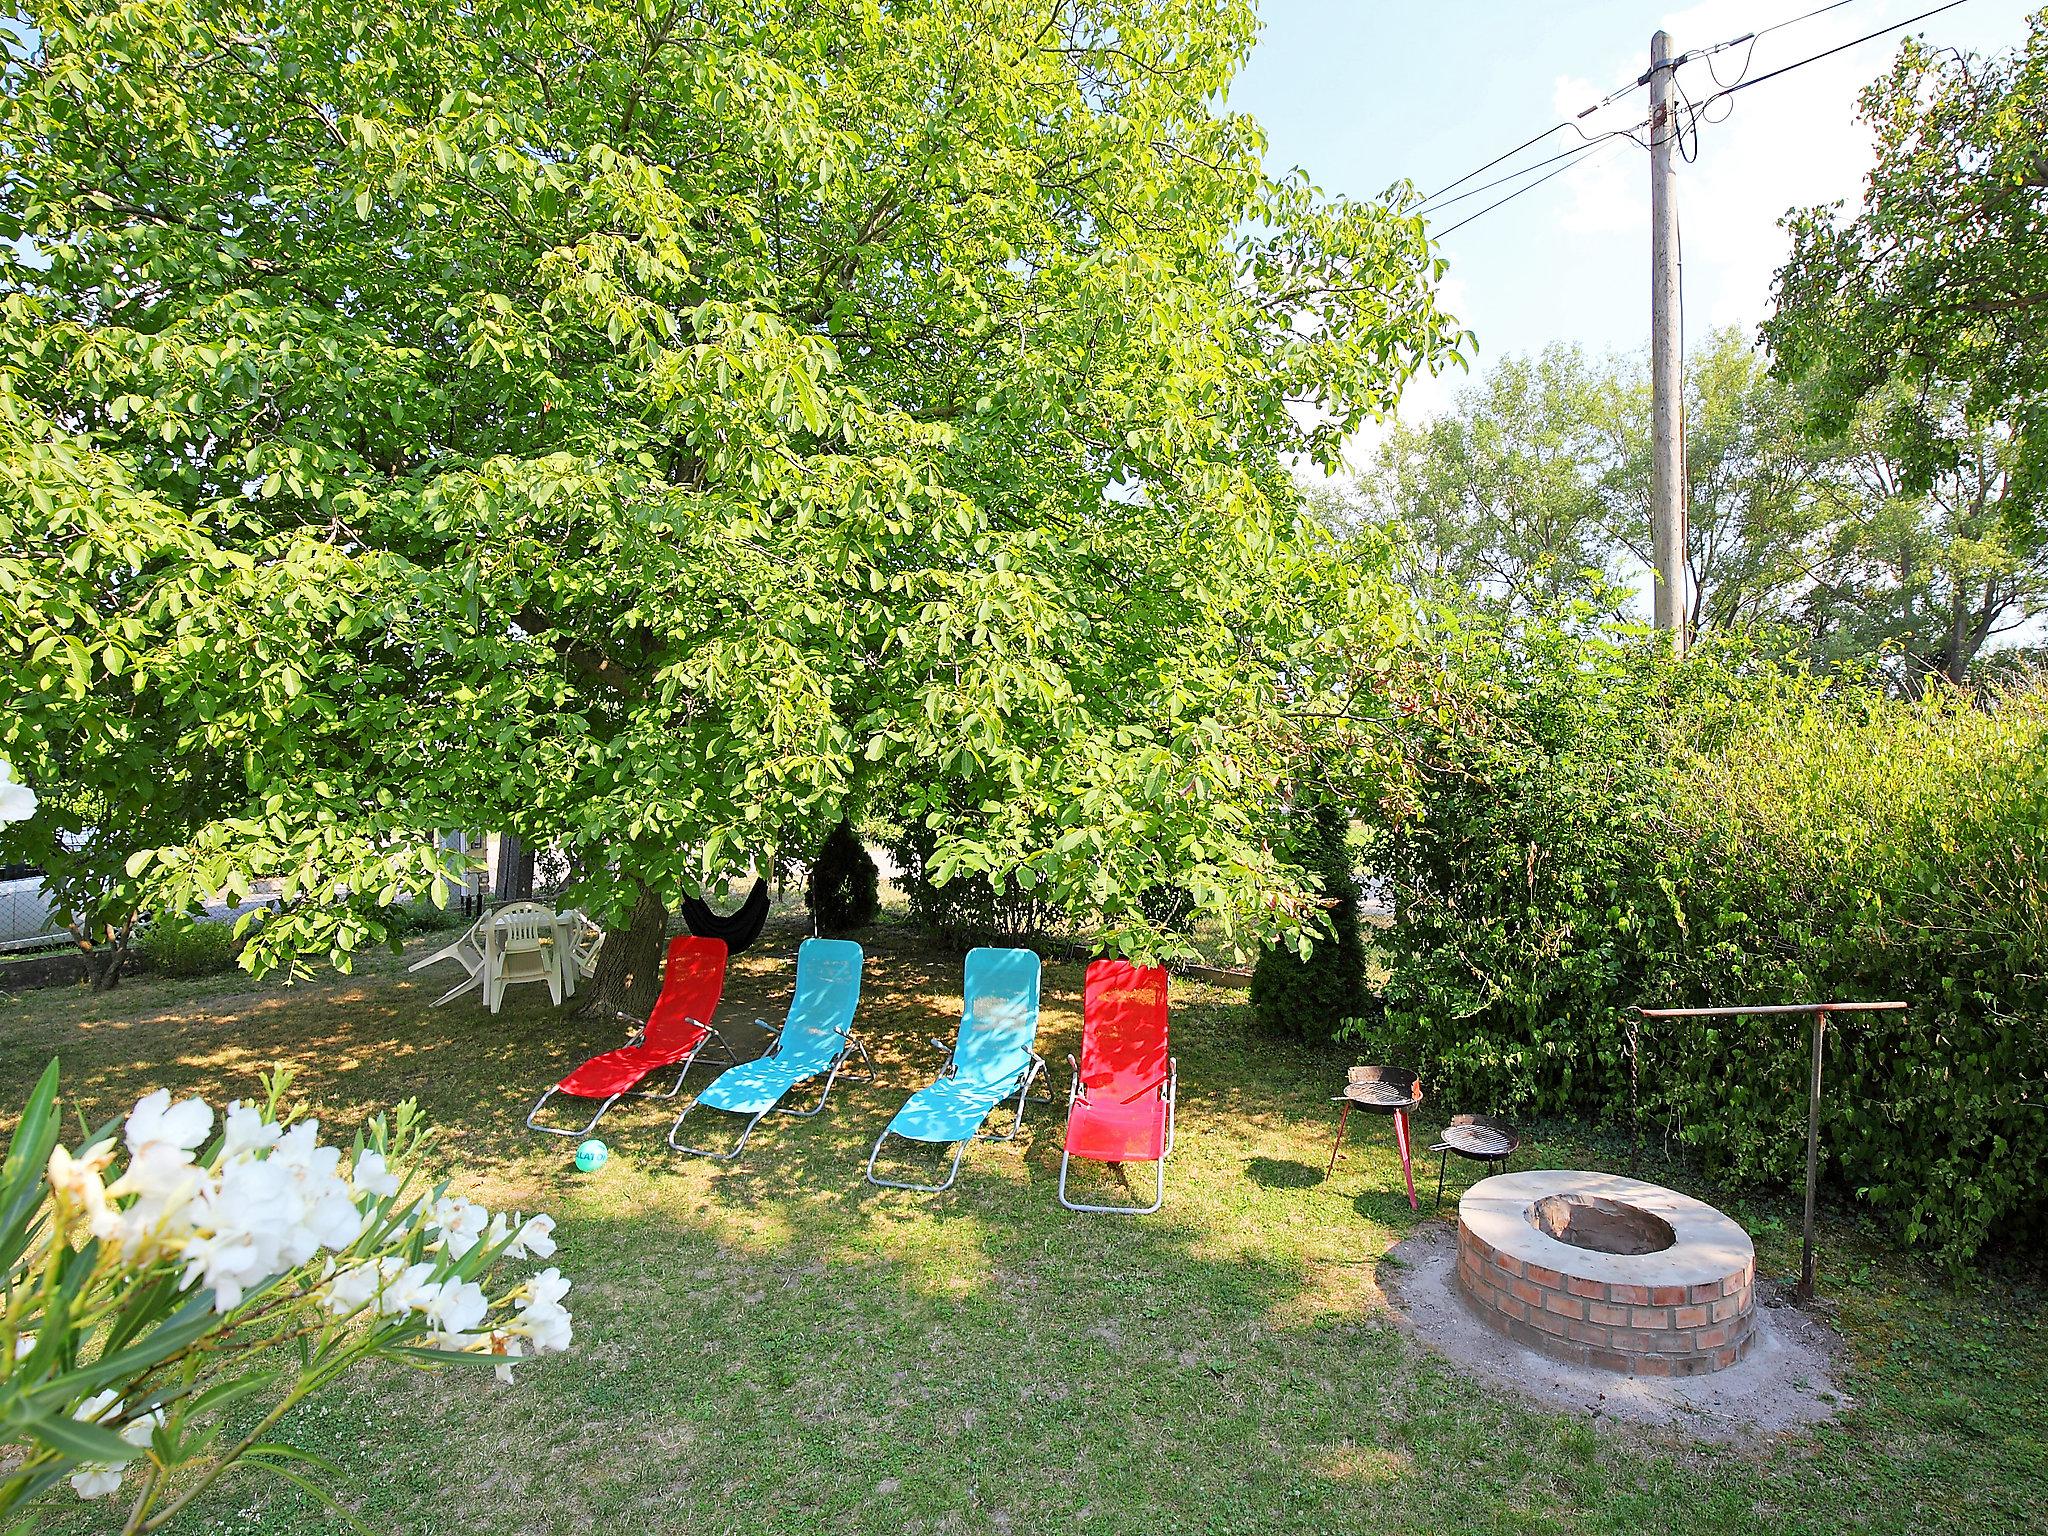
[
  {"x": 1820, "y": 1031},
  {"x": 1667, "y": 359}
]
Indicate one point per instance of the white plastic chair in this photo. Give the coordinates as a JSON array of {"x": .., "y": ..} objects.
[
  {"x": 467, "y": 952},
  {"x": 587, "y": 942},
  {"x": 518, "y": 946}
]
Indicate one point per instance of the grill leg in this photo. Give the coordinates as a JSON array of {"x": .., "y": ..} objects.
[
  {"x": 1441, "y": 1164},
  {"x": 1407, "y": 1163},
  {"x": 1342, "y": 1115}
]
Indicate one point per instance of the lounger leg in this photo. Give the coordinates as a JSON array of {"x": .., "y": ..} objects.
[
  {"x": 1172, "y": 1104},
  {"x": 1023, "y": 1090},
  {"x": 1158, "y": 1194},
  {"x": 723, "y": 1157},
  {"x": 555, "y": 1131},
  {"x": 830, "y": 1078},
  {"x": 689, "y": 1061},
  {"x": 959, "y": 1151},
  {"x": 867, "y": 1061}
]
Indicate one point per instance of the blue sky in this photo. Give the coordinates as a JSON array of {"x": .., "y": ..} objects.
[{"x": 1361, "y": 93}]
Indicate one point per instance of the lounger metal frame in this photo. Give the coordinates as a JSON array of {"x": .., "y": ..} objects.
[
  {"x": 1171, "y": 1085},
  {"x": 1029, "y": 1075},
  {"x": 640, "y": 1033},
  {"x": 852, "y": 1043}
]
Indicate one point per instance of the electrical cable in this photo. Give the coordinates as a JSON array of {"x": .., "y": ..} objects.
[
  {"x": 1827, "y": 53},
  {"x": 1501, "y": 181},
  {"x": 1583, "y": 154},
  {"x": 1612, "y": 96}
]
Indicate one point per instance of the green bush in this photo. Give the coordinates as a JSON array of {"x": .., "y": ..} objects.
[
  {"x": 1311, "y": 995},
  {"x": 843, "y": 892},
  {"x": 1596, "y": 829},
  {"x": 178, "y": 946}
]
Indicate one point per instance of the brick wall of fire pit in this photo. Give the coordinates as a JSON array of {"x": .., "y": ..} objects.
[{"x": 1607, "y": 1272}]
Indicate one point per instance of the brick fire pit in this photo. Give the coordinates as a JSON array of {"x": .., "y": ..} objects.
[{"x": 1609, "y": 1272}]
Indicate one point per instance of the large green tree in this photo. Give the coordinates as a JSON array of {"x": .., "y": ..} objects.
[
  {"x": 659, "y": 427},
  {"x": 1931, "y": 295}
]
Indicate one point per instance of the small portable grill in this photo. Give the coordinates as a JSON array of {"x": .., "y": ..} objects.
[
  {"x": 1382, "y": 1091},
  {"x": 1479, "y": 1138}
]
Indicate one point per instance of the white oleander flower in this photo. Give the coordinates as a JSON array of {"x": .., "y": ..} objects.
[
  {"x": 156, "y": 1121},
  {"x": 373, "y": 1176},
  {"x": 101, "y": 1405},
  {"x": 547, "y": 1287},
  {"x": 353, "y": 1289},
  {"x": 140, "y": 1430},
  {"x": 508, "y": 1345},
  {"x": 548, "y": 1325},
  {"x": 93, "y": 1480},
  {"x": 17, "y": 800},
  {"x": 76, "y": 1180},
  {"x": 462, "y": 1223},
  {"x": 247, "y": 1131},
  {"x": 457, "y": 1307},
  {"x": 535, "y": 1238},
  {"x": 410, "y": 1290}
]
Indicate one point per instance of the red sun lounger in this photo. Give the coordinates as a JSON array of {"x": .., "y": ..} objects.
[
  {"x": 1120, "y": 1109},
  {"x": 674, "y": 1033}
]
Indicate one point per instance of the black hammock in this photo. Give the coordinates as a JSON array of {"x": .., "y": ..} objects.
[{"x": 740, "y": 929}]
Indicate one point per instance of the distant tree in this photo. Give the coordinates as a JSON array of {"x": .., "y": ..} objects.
[
  {"x": 1916, "y": 327},
  {"x": 843, "y": 891},
  {"x": 1756, "y": 489},
  {"x": 1923, "y": 575},
  {"x": 1309, "y": 993},
  {"x": 1501, "y": 498},
  {"x": 1532, "y": 494}
]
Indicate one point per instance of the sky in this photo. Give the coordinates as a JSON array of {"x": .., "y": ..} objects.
[{"x": 1364, "y": 93}]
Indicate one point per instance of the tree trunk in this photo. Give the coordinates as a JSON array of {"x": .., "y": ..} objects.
[
  {"x": 628, "y": 975},
  {"x": 515, "y": 869}
]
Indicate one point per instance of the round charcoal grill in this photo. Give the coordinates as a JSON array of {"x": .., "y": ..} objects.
[
  {"x": 1384, "y": 1091},
  {"x": 1479, "y": 1138}
]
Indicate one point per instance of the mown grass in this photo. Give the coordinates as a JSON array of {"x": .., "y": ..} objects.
[{"x": 779, "y": 1347}]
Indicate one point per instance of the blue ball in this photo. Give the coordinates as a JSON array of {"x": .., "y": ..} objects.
[{"x": 591, "y": 1156}]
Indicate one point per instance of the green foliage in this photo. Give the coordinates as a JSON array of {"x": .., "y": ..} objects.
[
  {"x": 655, "y": 431},
  {"x": 1310, "y": 989},
  {"x": 1935, "y": 283},
  {"x": 1595, "y": 829},
  {"x": 1913, "y": 327},
  {"x": 843, "y": 891},
  {"x": 179, "y": 946}
]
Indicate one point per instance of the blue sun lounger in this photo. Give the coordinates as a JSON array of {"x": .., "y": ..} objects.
[
  {"x": 816, "y": 1039},
  {"x": 992, "y": 1060}
]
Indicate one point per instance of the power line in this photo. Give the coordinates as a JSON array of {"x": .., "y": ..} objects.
[
  {"x": 1826, "y": 53},
  {"x": 1692, "y": 116},
  {"x": 1581, "y": 154},
  {"x": 1612, "y": 96},
  {"x": 1501, "y": 181}
]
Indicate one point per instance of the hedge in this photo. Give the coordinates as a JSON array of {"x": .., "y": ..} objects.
[{"x": 1594, "y": 829}]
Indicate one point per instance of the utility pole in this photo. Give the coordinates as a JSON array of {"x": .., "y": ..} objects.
[{"x": 1667, "y": 359}]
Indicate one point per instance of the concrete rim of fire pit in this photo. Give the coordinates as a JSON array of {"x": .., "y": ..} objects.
[{"x": 1706, "y": 1245}]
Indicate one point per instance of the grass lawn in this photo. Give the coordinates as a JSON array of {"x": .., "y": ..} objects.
[{"x": 778, "y": 1346}]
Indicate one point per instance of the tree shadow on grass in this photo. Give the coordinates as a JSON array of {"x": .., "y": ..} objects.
[{"x": 1282, "y": 1173}]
